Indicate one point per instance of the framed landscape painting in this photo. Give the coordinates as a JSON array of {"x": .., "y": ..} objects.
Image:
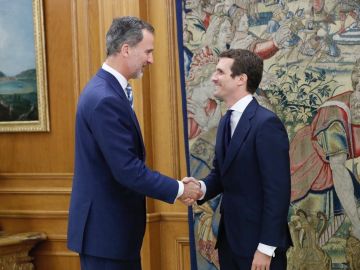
[{"x": 23, "y": 81}]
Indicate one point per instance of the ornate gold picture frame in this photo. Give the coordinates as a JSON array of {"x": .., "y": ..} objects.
[{"x": 23, "y": 79}]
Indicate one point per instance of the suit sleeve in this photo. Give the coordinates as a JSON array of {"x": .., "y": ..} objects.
[
  {"x": 111, "y": 125},
  {"x": 272, "y": 146},
  {"x": 213, "y": 183}
]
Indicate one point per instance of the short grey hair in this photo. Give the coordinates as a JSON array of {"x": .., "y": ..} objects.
[{"x": 125, "y": 30}]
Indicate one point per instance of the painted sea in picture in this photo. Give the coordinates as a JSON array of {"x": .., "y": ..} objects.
[{"x": 18, "y": 85}]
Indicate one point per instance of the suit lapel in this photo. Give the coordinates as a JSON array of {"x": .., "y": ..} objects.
[
  {"x": 118, "y": 89},
  {"x": 240, "y": 133},
  {"x": 134, "y": 118},
  {"x": 219, "y": 146}
]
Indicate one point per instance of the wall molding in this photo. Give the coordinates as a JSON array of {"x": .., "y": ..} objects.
[
  {"x": 57, "y": 237},
  {"x": 174, "y": 88},
  {"x": 57, "y": 253},
  {"x": 43, "y": 214},
  {"x": 28, "y": 182},
  {"x": 36, "y": 176},
  {"x": 33, "y": 214},
  {"x": 75, "y": 50},
  {"x": 39, "y": 191},
  {"x": 174, "y": 216},
  {"x": 181, "y": 243},
  {"x": 153, "y": 217}
]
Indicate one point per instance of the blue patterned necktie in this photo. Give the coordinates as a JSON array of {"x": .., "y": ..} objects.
[{"x": 129, "y": 95}]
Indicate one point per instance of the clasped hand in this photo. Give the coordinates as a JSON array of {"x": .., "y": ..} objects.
[{"x": 192, "y": 191}]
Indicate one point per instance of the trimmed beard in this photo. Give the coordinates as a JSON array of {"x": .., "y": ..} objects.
[{"x": 139, "y": 74}]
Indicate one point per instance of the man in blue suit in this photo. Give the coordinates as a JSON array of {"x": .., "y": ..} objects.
[
  {"x": 251, "y": 169},
  {"x": 107, "y": 214}
]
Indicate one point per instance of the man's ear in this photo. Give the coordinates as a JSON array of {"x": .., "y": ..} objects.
[
  {"x": 124, "y": 50},
  {"x": 242, "y": 79}
]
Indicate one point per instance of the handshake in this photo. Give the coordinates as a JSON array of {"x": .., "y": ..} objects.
[{"x": 192, "y": 191}]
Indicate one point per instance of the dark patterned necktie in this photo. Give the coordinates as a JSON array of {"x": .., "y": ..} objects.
[
  {"x": 129, "y": 95},
  {"x": 227, "y": 130}
]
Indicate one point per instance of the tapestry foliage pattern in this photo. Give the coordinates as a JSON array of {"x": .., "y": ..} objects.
[{"x": 311, "y": 81}]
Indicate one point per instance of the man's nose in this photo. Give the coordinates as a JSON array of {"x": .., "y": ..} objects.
[
  {"x": 213, "y": 78},
  {"x": 150, "y": 59}
]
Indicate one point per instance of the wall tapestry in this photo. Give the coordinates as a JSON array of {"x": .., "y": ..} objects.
[{"x": 311, "y": 81}]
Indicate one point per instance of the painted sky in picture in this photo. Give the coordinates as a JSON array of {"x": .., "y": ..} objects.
[{"x": 17, "y": 51}]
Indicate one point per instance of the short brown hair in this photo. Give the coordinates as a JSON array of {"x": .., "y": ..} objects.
[{"x": 246, "y": 62}]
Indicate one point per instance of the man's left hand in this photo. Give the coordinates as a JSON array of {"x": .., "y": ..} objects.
[
  {"x": 261, "y": 261},
  {"x": 192, "y": 191}
]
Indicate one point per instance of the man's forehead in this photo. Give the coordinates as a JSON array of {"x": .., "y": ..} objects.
[
  {"x": 225, "y": 62},
  {"x": 147, "y": 34},
  {"x": 148, "y": 41}
]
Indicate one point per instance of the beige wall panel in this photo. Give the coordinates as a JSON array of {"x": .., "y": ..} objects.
[
  {"x": 15, "y": 222},
  {"x": 109, "y": 9},
  {"x": 94, "y": 41},
  {"x": 175, "y": 252},
  {"x": 9, "y": 181},
  {"x": 54, "y": 254},
  {"x": 37, "y": 152},
  {"x": 182, "y": 253},
  {"x": 167, "y": 128},
  {"x": 150, "y": 252},
  {"x": 56, "y": 262},
  {"x": 86, "y": 36},
  {"x": 162, "y": 88},
  {"x": 54, "y": 200},
  {"x": 36, "y": 168}
]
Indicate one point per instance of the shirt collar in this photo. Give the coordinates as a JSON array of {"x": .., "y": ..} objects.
[
  {"x": 242, "y": 103},
  {"x": 121, "y": 79}
]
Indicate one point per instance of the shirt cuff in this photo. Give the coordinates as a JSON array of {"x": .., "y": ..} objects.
[
  {"x": 267, "y": 250},
  {"x": 180, "y": 190},
  {"x": 203, "y": 189}
]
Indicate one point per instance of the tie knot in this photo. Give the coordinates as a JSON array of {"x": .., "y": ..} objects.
[
  {"x": 128, "y": 90},
  {"x": 229, "y": 112},
  {"x": 129, "y": 94}
]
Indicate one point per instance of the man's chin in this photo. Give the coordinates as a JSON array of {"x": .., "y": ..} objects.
[
  {"x": 139, "y": 75},
  {"x": 218, "y": 97}
]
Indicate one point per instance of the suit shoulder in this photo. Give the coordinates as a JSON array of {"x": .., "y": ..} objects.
[
  {"x": 265, "y": 117},
  {"x": 96, "y": 90},
  {"x": 96, "y": 86},
  {"x": 265, "y": 113}
]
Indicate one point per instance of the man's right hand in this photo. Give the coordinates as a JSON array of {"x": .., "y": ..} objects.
[
  {"x": 261, "y": 261},
  {"x": 192, "y": 191}
]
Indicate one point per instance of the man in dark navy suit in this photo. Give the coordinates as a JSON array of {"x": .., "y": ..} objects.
[
  {"x": 251, "y": 170},
  {"x": 107, "y": 214}
]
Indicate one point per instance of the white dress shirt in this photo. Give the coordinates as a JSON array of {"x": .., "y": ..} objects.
[
  {"x": 119, "y": 77},
  {"x": 238, "y": 109},
  {"x": 123, "y": 82}
]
